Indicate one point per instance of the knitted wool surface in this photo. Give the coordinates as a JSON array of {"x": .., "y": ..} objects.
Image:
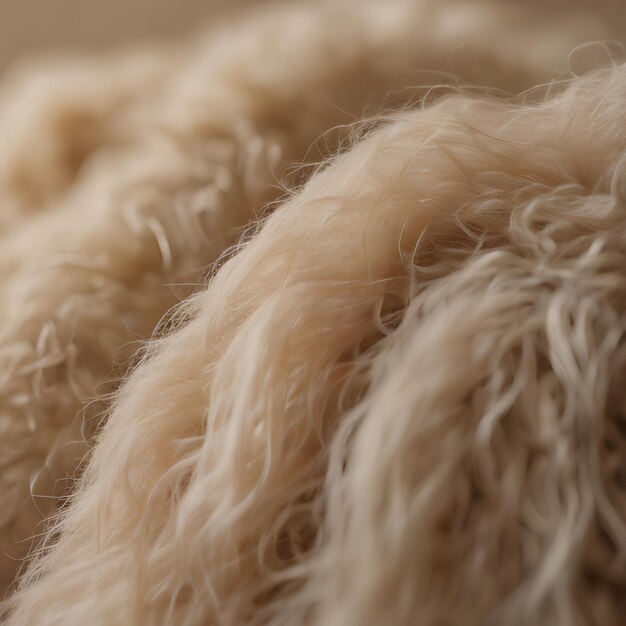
[{"x": 385, "y": 281}]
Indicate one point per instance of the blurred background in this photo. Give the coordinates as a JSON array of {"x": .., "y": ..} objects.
[{"x": 31, "y": 26}]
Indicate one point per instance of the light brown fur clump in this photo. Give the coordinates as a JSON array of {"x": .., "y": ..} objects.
[{"x": 399, "y": 401}]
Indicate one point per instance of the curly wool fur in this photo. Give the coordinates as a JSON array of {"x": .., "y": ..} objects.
[
  {"x": 139, "y": 181},
  {"x": 55, "y": 115},
  {"x": 402, "y": 401}
]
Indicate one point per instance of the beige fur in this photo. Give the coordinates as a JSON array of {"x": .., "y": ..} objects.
[
  {"x": 402, "y": 397},
  {"x": 398, "y": 403}
]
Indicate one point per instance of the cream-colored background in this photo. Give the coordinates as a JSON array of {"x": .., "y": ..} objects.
[{"x": 28, "y": 26}]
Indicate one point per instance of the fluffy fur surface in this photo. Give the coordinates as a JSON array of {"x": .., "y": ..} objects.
[
  {"x": 125, "y": 178},
  {"x": 399, "y": 401}
]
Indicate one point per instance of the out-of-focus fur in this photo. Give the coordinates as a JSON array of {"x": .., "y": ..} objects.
[{"x": 398, "y": 402}]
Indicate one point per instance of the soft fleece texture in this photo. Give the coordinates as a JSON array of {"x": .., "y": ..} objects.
[{"x": 399, "y": 398}]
